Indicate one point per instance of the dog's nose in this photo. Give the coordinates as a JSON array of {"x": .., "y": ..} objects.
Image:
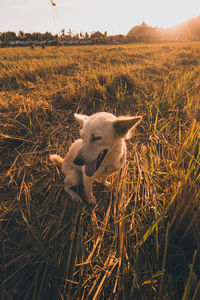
[{"x": 79, "y": 161}]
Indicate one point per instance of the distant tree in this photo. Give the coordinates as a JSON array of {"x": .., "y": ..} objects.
[
  {"x": 86, "y": 35},
  {"x": 70, "y": 33},
  {"x": 37, "y": 36},
  {"x": 76, "y": 37},
  {"x": 28, "y": 36},
  {"x": 81, "y": 35},
  {"x": 21, "y": 35},
  {"x": 47, "y": 36},
  {"x": 8, "y": 36},
  {"x": 63, "y": 35}
]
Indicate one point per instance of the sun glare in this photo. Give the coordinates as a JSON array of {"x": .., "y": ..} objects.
[{"x": 166, "y": 13}]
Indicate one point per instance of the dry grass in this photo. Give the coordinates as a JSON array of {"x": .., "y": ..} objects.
[{"x": 142, "y": 239}]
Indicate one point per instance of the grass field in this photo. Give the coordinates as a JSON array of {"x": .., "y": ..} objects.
[{"x": 142, "y": 240}]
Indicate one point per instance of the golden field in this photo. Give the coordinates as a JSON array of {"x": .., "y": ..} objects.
[{"x": 142, "y": 239}]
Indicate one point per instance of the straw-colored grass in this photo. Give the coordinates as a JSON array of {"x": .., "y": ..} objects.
[{"x": 142, "y": 239}]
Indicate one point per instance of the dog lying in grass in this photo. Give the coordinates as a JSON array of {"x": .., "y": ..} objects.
[{"x": 100, "y": 151}]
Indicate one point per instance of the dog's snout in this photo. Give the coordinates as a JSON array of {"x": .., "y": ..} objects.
[{"x": 79, "y": 161}]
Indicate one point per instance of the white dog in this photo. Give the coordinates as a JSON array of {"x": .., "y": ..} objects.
[{"x": 100, "y": 151}]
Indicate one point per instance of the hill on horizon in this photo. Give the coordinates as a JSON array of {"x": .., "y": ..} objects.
[{"x": 188, "y": 30}]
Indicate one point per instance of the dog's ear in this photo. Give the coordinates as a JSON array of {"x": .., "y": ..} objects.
[
  {"x": 81, "y": 118},
  {"x": 123, "y": 124}
]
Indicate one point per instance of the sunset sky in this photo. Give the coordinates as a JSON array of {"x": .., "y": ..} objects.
[{"x": 114, "y": 16}]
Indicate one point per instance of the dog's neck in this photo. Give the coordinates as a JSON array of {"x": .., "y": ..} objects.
[
  {"x": 119, "y": 146},
  {"x": 118, "y": 151}
]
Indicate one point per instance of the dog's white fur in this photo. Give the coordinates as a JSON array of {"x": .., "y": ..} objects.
[{"x": 102, "y": 136}]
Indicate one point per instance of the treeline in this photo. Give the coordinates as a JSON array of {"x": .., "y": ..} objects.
[
  {"x": 10, "y": 38},
  {"x": 21, "y": 36}
]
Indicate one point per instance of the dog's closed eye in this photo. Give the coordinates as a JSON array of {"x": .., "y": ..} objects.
[{"x": 95, "y": 138}]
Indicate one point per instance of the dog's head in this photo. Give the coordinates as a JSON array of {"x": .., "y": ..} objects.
[{"x": 100, "y": 132}]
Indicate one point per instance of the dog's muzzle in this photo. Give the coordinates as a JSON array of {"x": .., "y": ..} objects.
[
  {"x": 79, "y": 161},
  {"x": 91, "y": 168}
]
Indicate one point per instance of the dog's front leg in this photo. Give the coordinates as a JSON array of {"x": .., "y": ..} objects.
[
  {"x": 87, "y": 182},
  {"x": 72, "y": 179}
]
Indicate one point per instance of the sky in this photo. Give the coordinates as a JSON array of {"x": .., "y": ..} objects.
[{"x": 113, "y": 16}]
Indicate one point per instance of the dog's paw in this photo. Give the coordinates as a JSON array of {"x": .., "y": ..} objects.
[
  {"x": 75, "y": 197},
  {"x": 92, "y": 200}
]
